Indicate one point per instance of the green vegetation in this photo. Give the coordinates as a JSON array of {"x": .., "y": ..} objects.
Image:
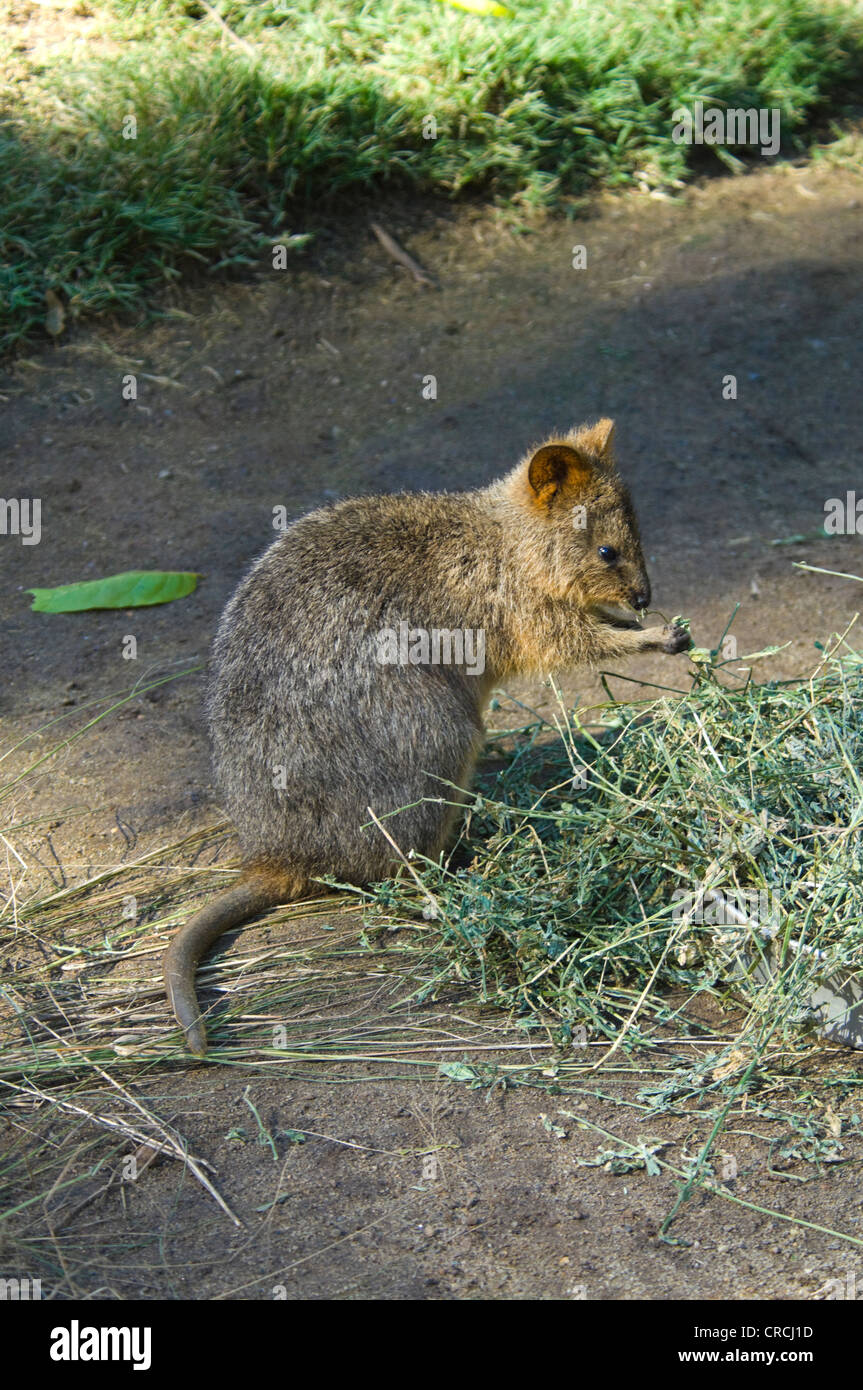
[
  {"x": 609, "y": 871},
  {"x": 250, "y": 127}
]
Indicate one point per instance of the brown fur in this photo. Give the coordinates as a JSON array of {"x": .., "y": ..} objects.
[{"x": 310, "y": 730}]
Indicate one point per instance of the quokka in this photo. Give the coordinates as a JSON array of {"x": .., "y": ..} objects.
[{"x": 311, "y": 728}]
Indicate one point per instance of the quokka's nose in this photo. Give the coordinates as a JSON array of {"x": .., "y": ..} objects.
[{"x": 641, "y": 598}]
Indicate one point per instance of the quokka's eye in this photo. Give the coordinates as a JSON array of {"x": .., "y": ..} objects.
[{"x": 608, "y": 554}]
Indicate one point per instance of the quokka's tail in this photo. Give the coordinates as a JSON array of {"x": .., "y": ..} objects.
[{"x": 259, "y": 887}]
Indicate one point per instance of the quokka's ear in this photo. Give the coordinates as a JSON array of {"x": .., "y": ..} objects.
[
  {"x": 598, "y": 439},
  {"x": 554, "y": 465}
]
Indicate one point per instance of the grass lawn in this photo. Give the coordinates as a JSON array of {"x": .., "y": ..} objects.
[{"x": 180, "y": 137}]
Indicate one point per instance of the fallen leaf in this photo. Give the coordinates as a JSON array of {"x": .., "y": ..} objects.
[{"x": 133, "y": 589}]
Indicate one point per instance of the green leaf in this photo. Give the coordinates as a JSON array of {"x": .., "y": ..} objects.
[
  {"x": 133, "y": 589},
  {"x": 456, "y": 1071}
]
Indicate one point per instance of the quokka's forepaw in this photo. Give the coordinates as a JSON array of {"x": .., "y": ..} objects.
[{"x": 676, "y": 639}]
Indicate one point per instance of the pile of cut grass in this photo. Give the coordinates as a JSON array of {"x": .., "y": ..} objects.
[
  {"x": 245, "y": 128},
  {"x": 707, "y": 843}
]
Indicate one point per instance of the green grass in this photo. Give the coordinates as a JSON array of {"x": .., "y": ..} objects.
[
  {"x": 573, "y": 912},
  {"x": 244, "y": 136}
]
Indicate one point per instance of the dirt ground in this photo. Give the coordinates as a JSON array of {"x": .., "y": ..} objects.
[{"x": 305, "y": 386}]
